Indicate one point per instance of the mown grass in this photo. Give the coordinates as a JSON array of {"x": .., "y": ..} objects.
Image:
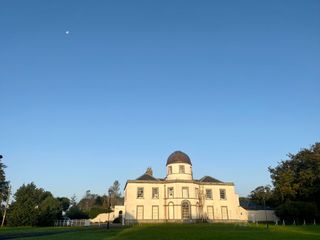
[{"x": 177, "y": 232}]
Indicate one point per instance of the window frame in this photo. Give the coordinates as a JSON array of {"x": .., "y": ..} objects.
[
  {"x": 187, "y": 188},
  {"x": 140, "y": 188},
  {"x": 209, "y": 190},
  {"x": 153, "y": 195},
  {"x": 170, "y": 188},
  {"x": 182, "y": 169},
  {"x": 224, "y": 191}
]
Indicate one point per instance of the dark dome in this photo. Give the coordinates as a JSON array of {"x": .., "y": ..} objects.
[{"x": 178, "y": 157}]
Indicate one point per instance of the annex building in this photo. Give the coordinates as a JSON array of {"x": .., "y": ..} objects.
[{"x": 179, "y": 197}]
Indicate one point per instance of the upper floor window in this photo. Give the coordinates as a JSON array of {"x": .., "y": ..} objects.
[
  {"x": 155, "y": 192},
  {"x": 208, "y": 193},
  {"x": 170, "y": 170},
  {"x": 223, "y": 194},
  {"x": 196, "y": 192},
  {"x": 181, "y": 169},
  {"x": 140, "y": 192},
  {"x": 170, "y": 192},
  {"x": 185, "y": 192}
]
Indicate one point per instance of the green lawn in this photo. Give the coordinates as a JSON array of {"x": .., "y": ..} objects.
[{"x": 173, "y": 232}]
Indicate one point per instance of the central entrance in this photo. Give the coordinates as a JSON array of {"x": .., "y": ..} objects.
[{"x": 185, "y": 210}]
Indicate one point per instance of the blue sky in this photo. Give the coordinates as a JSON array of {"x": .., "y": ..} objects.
[{"x": 234, "y": 84}]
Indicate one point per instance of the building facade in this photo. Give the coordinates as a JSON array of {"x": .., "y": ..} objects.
[{"x": 179, "y": 197}]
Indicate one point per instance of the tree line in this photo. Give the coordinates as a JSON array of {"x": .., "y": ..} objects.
[{"x": 34, "y": 206}]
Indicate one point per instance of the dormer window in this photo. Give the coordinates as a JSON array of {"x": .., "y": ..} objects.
[{"x": 181, "y": 169}]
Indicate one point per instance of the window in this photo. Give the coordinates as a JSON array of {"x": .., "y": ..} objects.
[
  {"x": 181, "y": 169},
  {"x": 140, "y": 212},
  {"x": 196, "y": 192},
  {"x": 170, "y": 192},
  {"x": 223, "y": 194},
  {"x": 208, "y": 193},
  {"x": 210, "y": 212},
  {"x": 185, "y": 192},
  {"x": 170, "y": 170},
  {"x": 140, "y": 192},
  {"x": 155, "y": 212},
  {"x": 185, "y": 210},
  {"x": 155, "y": 192}
]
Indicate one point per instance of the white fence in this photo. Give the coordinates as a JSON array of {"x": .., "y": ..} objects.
[{"x": 71, "y": 223}]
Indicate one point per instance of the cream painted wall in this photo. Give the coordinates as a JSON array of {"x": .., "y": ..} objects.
[
  {"x": 146, "y": 207},
  {"x": 175, "y": 174},
  {"x": 231, "y": 202}
]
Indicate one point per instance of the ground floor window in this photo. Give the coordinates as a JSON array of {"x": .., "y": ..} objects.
[
  {"x": 224, "y": 213},
  {"x": 139, "y": 212},
  {"x": 171, "y": 211},
  {"x": 155, "y": 212},
  {"x": 210, "y": 212}
]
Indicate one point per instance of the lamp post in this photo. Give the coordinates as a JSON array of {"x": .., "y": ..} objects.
[
  {"x": 264, "y": 206},
  {"x": 109, "y": 209}
]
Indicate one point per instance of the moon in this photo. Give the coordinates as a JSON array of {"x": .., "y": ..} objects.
[{"x": 67, "y": 32}]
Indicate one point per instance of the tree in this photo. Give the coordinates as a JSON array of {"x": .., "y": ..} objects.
[
  {"x": 4, "y": 185},
  {"x": 297, "y": 184},
  {"x": 25, "y": 209},
  {"x": 262, "y": 195},
  {"x": 114, "y": 193},
  {"x": 35, "y": 207},
  {"x": 75, "y": 212},
  {"x": 88, "y": 201},
  {"x": 298, "y": 178},
  {"x": 73, "y": 200},
  {"x": 50, "y": 209},
  {"x": 64, "y": 203}
]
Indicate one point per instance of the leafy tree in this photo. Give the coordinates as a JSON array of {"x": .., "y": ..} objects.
[
  {"x": 75, "y": 212},
  {"x": 297, "y": 185},
  {"x": 50, "y": 209},
  {"x": 298, "y": 178},
  {"x": 114, "y": 193},
  {"x": 73, "y": 200},
  {"x": 297, "y": 211},
  {"x": 94, "y": 211},
  {"x": 64, "y": 203},
  {"x": 262, "y": 195},
  {"x": 88, "y": 201},
  {"x": 4, "y": 185},
  {"x": 35, "y": 207},
  {"x": 25, "y": 209},
  {"x": 99, "y": 201}
]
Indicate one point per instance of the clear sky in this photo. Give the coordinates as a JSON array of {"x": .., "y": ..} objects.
[{"x": 234, "y": 84}]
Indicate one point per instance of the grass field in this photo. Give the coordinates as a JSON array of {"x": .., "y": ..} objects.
[{"x": 169, "y": 232}]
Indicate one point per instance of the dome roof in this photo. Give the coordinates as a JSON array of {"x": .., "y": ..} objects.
[{"x": 178, "y": 157}]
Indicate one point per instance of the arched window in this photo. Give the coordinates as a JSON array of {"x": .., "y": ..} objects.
[{"x": 185, "y": 210}]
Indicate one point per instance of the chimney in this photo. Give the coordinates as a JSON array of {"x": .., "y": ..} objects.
[{"x": 149, "y": 171}]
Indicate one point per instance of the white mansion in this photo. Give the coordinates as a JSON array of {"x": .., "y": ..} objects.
[{"x": 179, "y": 197}]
